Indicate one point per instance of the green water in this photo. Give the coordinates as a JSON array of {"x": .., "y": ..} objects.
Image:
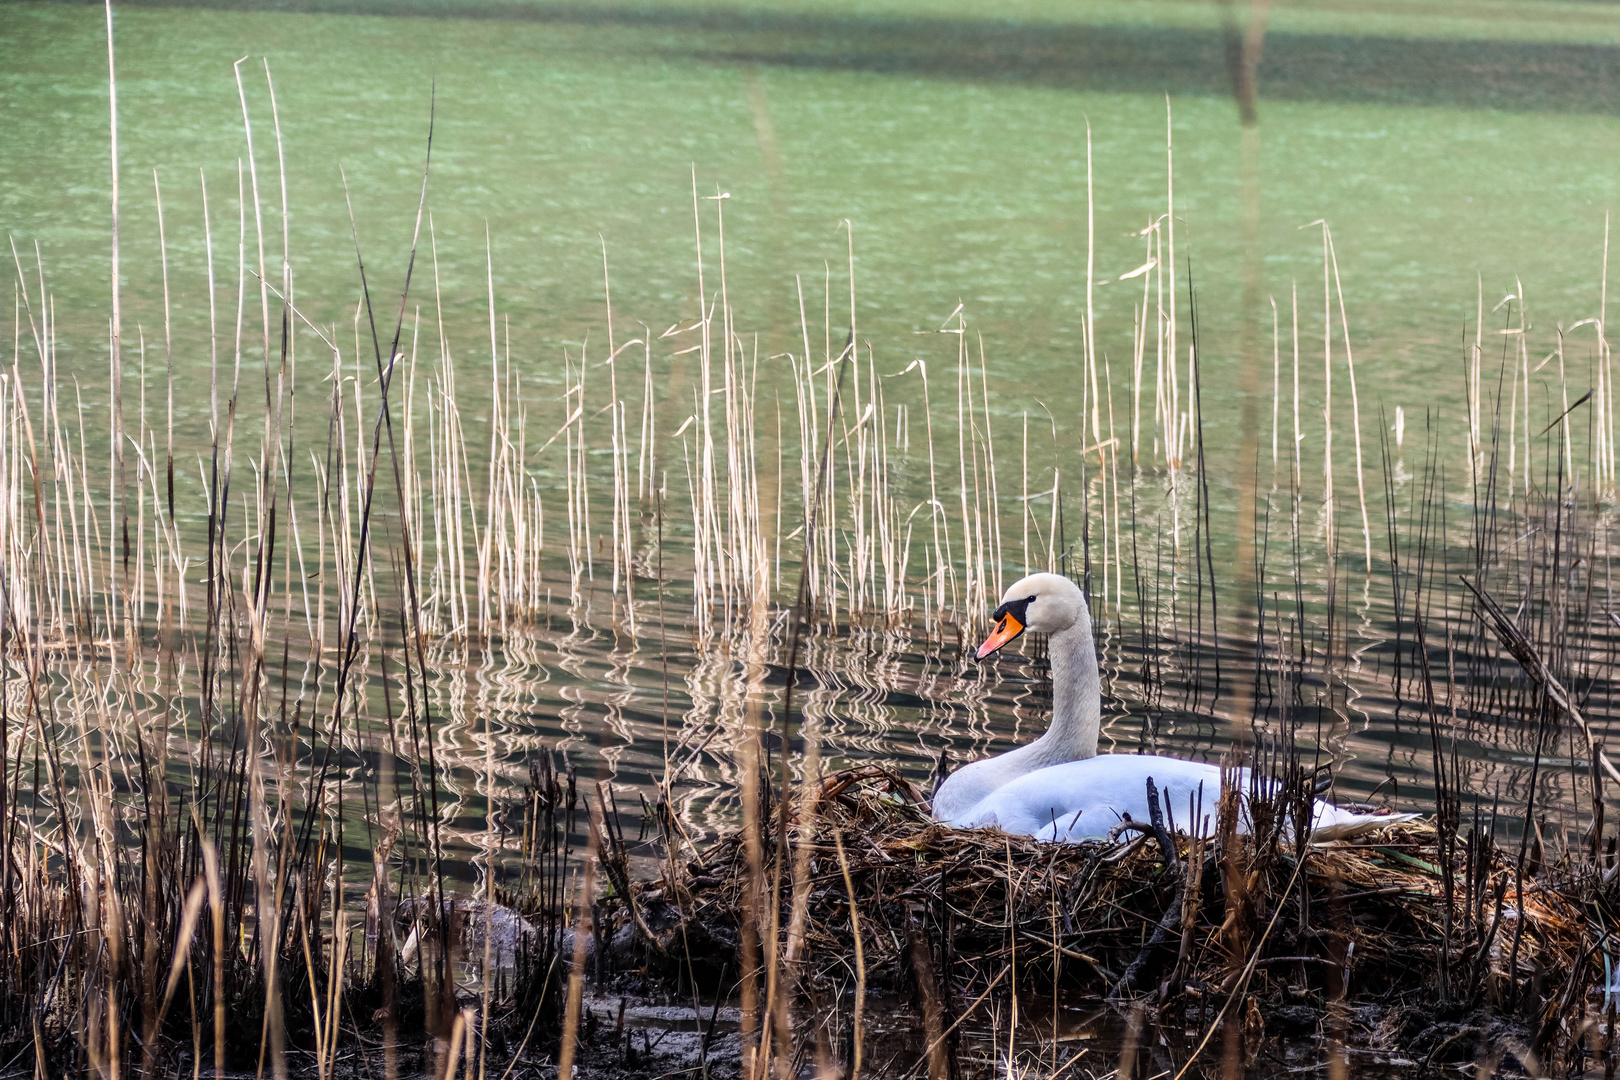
[{"x": 1445, "y": 142}]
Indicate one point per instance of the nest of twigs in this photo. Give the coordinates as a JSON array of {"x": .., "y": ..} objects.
[{"x": 1295, "y": 930}]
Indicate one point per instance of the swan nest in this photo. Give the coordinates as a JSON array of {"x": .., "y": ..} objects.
[{"x": 1353, "y": 934}]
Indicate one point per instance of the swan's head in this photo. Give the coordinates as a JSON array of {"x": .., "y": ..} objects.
[{"x": 1044, "y": 603}]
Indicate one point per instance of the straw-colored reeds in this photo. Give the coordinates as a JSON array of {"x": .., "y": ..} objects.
[{"x": 216, "y": 691}]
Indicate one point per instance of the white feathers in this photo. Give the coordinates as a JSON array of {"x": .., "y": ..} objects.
[{"x": 1057, "y": 788}]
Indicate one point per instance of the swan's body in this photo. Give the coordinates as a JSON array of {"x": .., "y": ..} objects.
[
  {"x": 1083, "y": 800},
  {"x": 1057, "y": 788}
]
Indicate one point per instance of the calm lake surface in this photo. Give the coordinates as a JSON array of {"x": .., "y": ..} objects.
[{"x": 1460, "y": 153}]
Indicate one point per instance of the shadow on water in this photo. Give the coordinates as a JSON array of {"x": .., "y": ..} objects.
[{"x": 1296, "y": 66}]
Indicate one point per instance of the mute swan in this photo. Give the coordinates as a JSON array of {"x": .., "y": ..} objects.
[{"x": 1057, "y": 788}]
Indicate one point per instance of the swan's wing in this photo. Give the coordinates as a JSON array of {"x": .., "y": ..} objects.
[
  {"x": 1083, "y": 800},
  {"x": 1332, "y": 823}
]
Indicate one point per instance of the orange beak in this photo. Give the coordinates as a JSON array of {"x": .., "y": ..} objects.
[{"x": 1008, "y": 628}]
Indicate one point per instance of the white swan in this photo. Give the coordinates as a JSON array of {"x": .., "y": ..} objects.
[{"x": 1057, "y": 788}]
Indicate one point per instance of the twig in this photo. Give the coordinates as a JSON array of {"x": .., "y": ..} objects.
[{"x": 1172, "y": 912}]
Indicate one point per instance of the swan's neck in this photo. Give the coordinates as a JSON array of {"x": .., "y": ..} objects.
[
  {"x": 1076, "y": 694},
  {"x": 1076, "y": 714}
]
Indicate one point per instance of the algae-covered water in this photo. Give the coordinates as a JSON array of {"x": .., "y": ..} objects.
[{"x": 1445, "y": 143}]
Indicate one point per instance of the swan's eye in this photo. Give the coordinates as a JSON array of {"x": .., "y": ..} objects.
[{"x": 1029, "y": 599}]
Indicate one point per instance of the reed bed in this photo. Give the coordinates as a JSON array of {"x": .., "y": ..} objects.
[{"x": 260, "y": 730}]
